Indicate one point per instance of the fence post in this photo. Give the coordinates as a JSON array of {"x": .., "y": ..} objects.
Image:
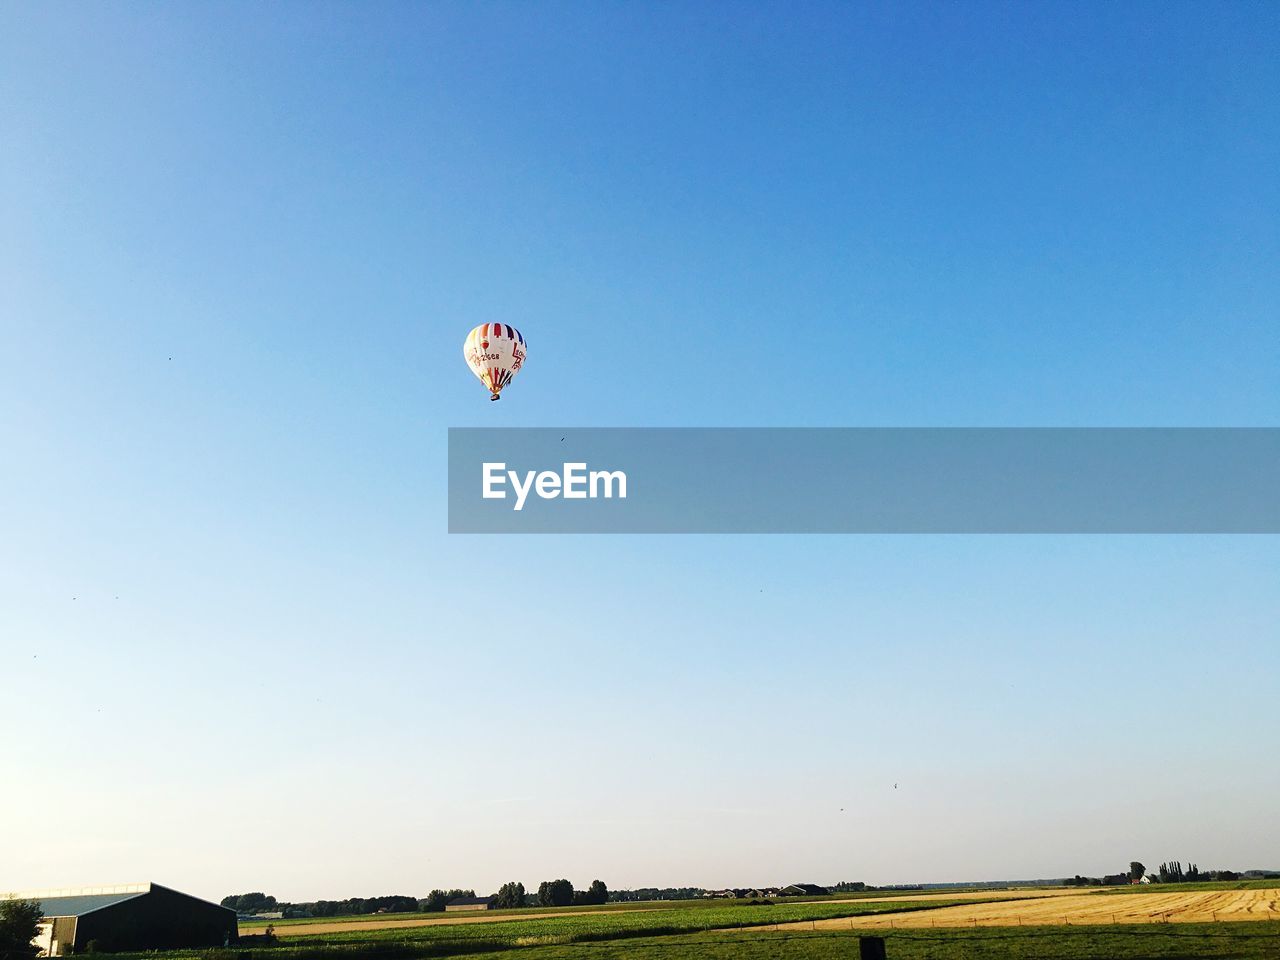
[{"x": 871, "y": 948}]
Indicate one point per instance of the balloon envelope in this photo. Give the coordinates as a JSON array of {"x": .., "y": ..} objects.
[{"x": 495, "y": 353}]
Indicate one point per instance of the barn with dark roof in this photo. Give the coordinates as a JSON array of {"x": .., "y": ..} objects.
[{"x": 137, "y": 916}]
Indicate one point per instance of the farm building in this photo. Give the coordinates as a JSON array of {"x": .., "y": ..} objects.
[
  {"x": 469, "y": 903},
  {"x": 804, "y": 890},
  {"x": 138, "y": 916}
]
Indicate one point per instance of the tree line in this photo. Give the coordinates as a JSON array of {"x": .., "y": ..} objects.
[
  {"x": 1167, "y": 873},
  {"x": 560, "y": 893},
  {"x": 656, "y": 893},
  {"x": 19, "y": 924},
  {"x": 258, "y": 902},
  {"x": 511, "y": 895},
  {"x": 551, "y": 893},
  {"x": 1173, "y": 873}
]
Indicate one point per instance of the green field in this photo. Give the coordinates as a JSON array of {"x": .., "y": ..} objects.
[
  {"x": 1223, "y": 941},
  {"x": 446, "y": 939},
  {"x": 503, "y": 935},
  {"x": 1217, "y": 941},
  {"x": 257, "y": 926}
]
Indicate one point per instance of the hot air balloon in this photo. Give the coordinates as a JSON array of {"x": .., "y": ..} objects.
[{"x": 495, "y": 353}]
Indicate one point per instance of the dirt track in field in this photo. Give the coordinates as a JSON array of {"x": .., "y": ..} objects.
[
  {"x": 1025, "y": 894},
  {"x": 448, "y": 920},
  {"x": 1087, "y": 908}
]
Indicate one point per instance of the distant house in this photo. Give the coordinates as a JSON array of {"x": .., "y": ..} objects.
[
  {"x": 469, "y": 903},
  {"x": 804, "y": 890},
  {"x": 128, "y": 917},
  {"x": 765, "y": 893}
]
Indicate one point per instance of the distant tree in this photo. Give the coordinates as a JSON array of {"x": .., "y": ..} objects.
[
  {"x": 655, "y": 893},
  {"x": 595, "y": 894},
  {"x": 393, "y": 903},
  {"x": 555, "y": 893},
  {"x": 256, "y": 902},
  {"x": 509, "y": 895},
  {"x": 1136, "y": 870},
  {"x": 437, "y": 899},
  {"x": 19, "y": 925}
]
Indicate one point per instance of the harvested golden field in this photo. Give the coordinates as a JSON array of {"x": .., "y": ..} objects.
[
  {"x": 1026, "y": 893},
  {"x": 439, "y": 920},
  {"x": 1081, "y": 908}
]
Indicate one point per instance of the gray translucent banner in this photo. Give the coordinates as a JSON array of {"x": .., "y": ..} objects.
[{"x": 1041, "y": 480}]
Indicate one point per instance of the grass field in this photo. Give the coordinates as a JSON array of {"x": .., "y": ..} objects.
[
  {"x": 283, "y": 927},
  {"x": 403, "y": 921},
  {"x": 1216, "y": 941},
  {"x": 1053, "y": 912},
  {"x": 1221, "y": 941},
  {"x": 469, "y": 938},
  {"x": 252, "y": 926},
  {"x": 605, "y": 925}
]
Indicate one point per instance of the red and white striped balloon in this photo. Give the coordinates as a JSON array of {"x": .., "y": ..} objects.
[{"x": 495, "y": 353}]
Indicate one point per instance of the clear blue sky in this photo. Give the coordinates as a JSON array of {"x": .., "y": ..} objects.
[{"x": 240, "y": 246}]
